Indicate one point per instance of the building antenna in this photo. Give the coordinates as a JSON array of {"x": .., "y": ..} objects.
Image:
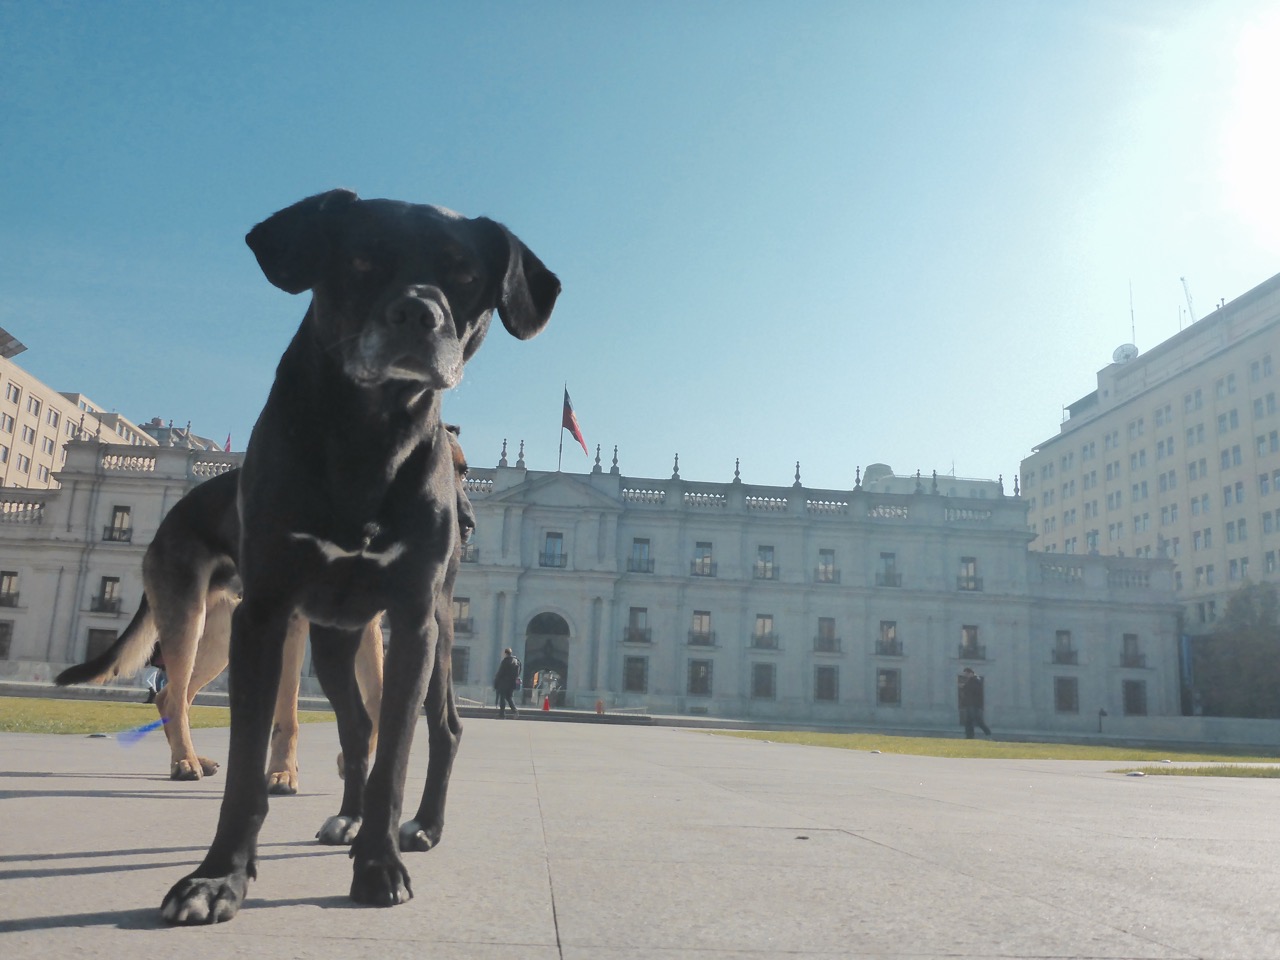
[{"x": 1191, "y": 311}]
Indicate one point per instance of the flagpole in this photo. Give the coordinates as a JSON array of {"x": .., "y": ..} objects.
[{"x": 560, "y": 455}]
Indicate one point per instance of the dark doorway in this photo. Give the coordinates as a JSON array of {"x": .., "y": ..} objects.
[{"x": 546, "y": 657}]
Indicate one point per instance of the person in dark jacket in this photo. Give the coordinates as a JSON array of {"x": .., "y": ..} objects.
[
  {"x": 972, "y": 702},
  {"x": 506, "y": 681}
]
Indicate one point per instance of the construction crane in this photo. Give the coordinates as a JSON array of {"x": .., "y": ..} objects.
[{"x": 1187, "y": 292}]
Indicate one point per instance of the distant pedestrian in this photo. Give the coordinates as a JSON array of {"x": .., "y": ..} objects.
[
  {"x": 506, "y": 682},
  {"x": 156, "y": 676},
  {"x": 972, "y": 702}
]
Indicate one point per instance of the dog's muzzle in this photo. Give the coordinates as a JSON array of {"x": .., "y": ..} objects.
[
  {"x": 413, "y": 339},
  {"x": 417, "y": 312}
]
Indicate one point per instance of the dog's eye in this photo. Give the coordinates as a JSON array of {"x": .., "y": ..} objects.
[{"x": 361, "y": 265}]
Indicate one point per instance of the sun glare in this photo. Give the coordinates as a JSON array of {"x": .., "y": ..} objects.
[{"x": 1251, "y": 140}]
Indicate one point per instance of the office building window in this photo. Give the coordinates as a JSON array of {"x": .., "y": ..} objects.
[
  {"x": 460, "y": 659},
  {"x": 638, "y": 630},
  {"x": 640, "y": 561},
  {"x": 704, "y": 564},
  {"x": 763, "y": 681},
  {"x": 1135, "y": 698},
  {"x": 762, "y": 636},
  {"x": 553, "y": 554},
  {"x": 699, "y": 678},
  {"x": 700, "y": 632},
  {"x": 889, "y": 688},
  {"x": 120, "y": 529},
  {"x": 826, "y": 683},
  {"x": 765, "y": 569},
  {"x": 887, "y": 574},
  {"x": 97, "y": 643},
  {"x": 635, "y": 675},
  {"x": 1066, "y": 694}
]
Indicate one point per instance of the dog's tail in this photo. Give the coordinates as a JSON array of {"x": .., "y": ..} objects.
[{"x": 128, "y": 655}]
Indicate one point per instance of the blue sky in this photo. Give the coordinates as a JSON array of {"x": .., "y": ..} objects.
[{"x": 839, "y": 233}]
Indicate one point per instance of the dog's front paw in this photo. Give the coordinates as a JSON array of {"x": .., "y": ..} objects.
[
  {"x": 195, "y": 900},
  {"x": 339, "y": 831},
  {"x": 282, "y": 783},
  {"x": 187, "y": 768},
  {"x": 414, "y": 837},
  {"x": 380, "y": 883}
]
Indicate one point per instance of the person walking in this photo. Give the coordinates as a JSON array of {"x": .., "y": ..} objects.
[
  {"x": 506, "y": 682},
  {"x": 971, "y": 702}
]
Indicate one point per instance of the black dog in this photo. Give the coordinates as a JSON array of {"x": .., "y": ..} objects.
[{"x": 348, "y": 502}]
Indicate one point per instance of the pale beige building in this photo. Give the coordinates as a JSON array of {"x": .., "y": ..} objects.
[
  {"x": 1175, "y": 454},
  {"x": 36, "y": 421}
]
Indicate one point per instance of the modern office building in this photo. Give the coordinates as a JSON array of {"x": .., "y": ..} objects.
[{"x": 1175, "y": 454}]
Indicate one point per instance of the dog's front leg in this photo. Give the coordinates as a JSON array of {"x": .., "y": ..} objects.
[
  {"x": 333, "y": 652},
  {"x": 444, "y": 731},
  {"x": 215, "y": 890},
  {"x": 282, "y": 767},
  {"x": 379, "y": 876}
]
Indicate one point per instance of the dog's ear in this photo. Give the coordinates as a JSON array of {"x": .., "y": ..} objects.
[
  {"x": 527, "y": 290},
  {"x": 292, "y": 245}
]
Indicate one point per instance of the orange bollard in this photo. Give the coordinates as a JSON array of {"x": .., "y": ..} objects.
[{"x": 546, "y": 704}]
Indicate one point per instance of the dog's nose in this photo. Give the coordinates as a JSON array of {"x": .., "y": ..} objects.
[{"x": 414, "y": 311}]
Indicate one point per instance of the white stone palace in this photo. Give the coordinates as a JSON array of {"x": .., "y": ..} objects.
[{"x": 853, "y": 607}]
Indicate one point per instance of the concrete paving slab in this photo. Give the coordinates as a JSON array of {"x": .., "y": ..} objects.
[{"x": 576, "y": 841}]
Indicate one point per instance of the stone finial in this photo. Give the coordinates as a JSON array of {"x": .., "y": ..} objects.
[
  {"x": 797, "y": 483},
  {"x": 597, "y": 468},
  {"x": 520, "y": 457},
  {"x": 935, "y": 482},
  {"x": 919, "y": 482},
  {"x": 857, "y": 478},
  {"x": 614, "y": 468},
  {"x": 502, "y": 460},
  {"x": 1000, "y": 483},
  {"x": 737, "y": 472},
  {"x": 675, "y": 470},
  {"x": 1016, "y": 491}
]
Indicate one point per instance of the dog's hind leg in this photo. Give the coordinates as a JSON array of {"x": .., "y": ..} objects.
[
  {"x": 181, "y": 621},
  {"x": 333, "y": 653},
  {"x": 282, "y": 768},
  {"x": 369, "y": 677},
  {"x": 211, "y": 660},
  {"x": 444, "y": 731},
  {"x": 214, "y": 891}
]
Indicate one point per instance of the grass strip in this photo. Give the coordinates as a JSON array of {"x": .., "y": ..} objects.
[
  {"x": 39, "y": 715},
  {"x": 1269, "y": 772},
  {"x": 960, "y": 748}
]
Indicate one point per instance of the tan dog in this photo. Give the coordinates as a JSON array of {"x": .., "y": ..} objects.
[{"x": 190, "y": 588}]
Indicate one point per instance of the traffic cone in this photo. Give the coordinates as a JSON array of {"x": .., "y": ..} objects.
[{"x": 546, "y": 704}]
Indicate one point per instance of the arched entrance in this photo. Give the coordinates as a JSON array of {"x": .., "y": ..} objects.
[{"x": 546, "y": 655}]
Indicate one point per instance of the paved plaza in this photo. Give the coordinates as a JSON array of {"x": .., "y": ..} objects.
[{"x": 593, "y": 842}]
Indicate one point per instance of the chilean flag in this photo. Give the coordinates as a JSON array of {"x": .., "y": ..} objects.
[{"x": 568, "y": 421}]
